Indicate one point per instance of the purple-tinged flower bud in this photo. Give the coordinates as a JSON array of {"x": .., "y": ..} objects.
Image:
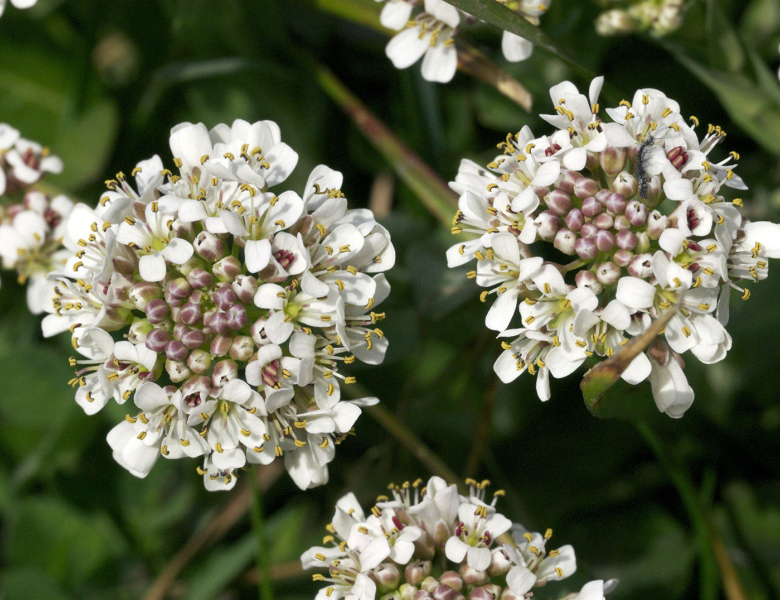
[
  {"x": 616, "y": 204},
  {"x": 245, "y": 287},
  {"x": 612, "y": 160},
  {"x": 156, "y": 310},
  {"x": 193, "y": 338},
  {"x": 199, "y": 279},
  {"x": 621, "y": 223},
  {"x": 575, "y": 220},
  {"x": 678, "y": 157},
  {"x": 605, "y": 241},
  {"x": 417, "y": 570},
  {"x": 591, "y": 207},
  {"x": 241, "y": 348},
  {"x": 591, "y": 161},
  {"x": 585, "y": 187},
  {"x": 387, "y": 577},
  {"x": 177, "y": 371},
  {"x": 210, "y": 247},
  {"x": 422, "y": 595},
  {"x": 642, "y": 242},
  {"x": 179, "y": 288},
  {"x": 636, "y": 213},
  {"x": 489, "y": 591},
  {"x": 625, "y": 184},
  {"x": 224, "y": 297},
  {"x": 508, "y": 594},
  {"x": 191, "y": 314},
  {"x": 120, "y": 287},
  {"x": 589, "y": 231},
  {"x": 178, "y": 330},
  {"x": 451, "y": 579},
  {"x": 499, "y": 562},
  {"x": 586, "y": 248},
  {"x": 199, "y": 361},
  {"x": 183, "y": 230},
  {"x": 622, "y": 258},
  {"x": 602, "y": 196},
  {"x": 221, "y": 344},
  {"x": 429, "y": 584},
  {"x": 227, "y": 269},
  {"x": 139, "y": 329},
  {"x": 604, "y": 221},
  {"x": 260, "y": 338},
  {"x": 445, "y": 592},
  {"x": 124, "y": 264},
  {"x": 172, "y": 301},
  {"x": 157, "y": 340},
  {"x": 176, "y": 314},
  {"x": 626, "y": 239},
  {"x": 559, "y": 203},
  {"x": 567, "y": 180},
  {"x": 587, "y": 279},
  {"x": 641, "y": 266},
  {"x": 143, "y": 292},
  {"x": 407, "y": 591},
  {"x": 224, "y": 371},
  {"x": 472, "y": 576},
  {"x": 608, "y": 273},
  {"x": 656, "y": 224},
  {"x": 176, "y": 351},
  {"x": 424, "y": 548},
  {"x": 218, "y": 322},
  {"x": 548, "y": 225},
  {"x": 565, "y": 240}
]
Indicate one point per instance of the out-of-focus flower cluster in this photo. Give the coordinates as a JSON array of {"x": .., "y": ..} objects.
[
  {"x": 17, "y": 4},
  {"x": 235, "y": 305},
  {"x": 658, "y": 17},
  {"x": 639, "y": 205},
  {"x": 431, "y": 34},
  {"x": 31, "y": 222},
  {"x": 432, "y": 543}
]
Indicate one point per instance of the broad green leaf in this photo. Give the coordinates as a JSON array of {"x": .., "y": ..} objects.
[{"x": 24, "y": 583}]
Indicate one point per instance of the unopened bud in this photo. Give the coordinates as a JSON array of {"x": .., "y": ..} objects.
[
  {"x": 621, "y": 223},
  {"x": 575, "y": 220},
  {"x": 625, "y": 184},
  {"x": 245, "y": 287},
  {"x": 157, "y": 340},
  {"x": 179, "y": 288},
  {"x": 642, "y": 242},
  {"x": 424, "y": 548},
  {"x": 422, "y": 595},
  {"x": 612, "y": 160},
  {"x": 139, "y": 329},
  {"x": 210, "y": 247},
  {"x": 499, "y": 562},
  {"x": 429, "y": 584},
  {"x": 472, "y": 576},
  {"x": 586, "y": 248},
  {"x": 387, "y": 577},
  {"x": 177, "y": 351},
  {"x": 622, "y": 258},
  {"x": 193, "y": 338},
  {"x": 225, "y": 297},
  {"x": 224, "y": 371},
  {"x": 417, "y": 571},
  {"x": 585, "y": 188},
  {"x": 227, "y": 269},
  {"x": 237, "y": 317},
  {"x": 157, "y": 310},
  {"x": 191, "y": 314},
  {"x": 143, "y": 292},
  {"x": 489, "y": 591},
  {"x": 587, "y": 279},
  {"x": 565, "y": 241},
  {"x": 444, "y": 592},
  {"x": 217, "y": 323},
  {"x": 636, "y": 213},
  {"x": 626, "y": 239},
  {"x": 656, "y": 224},
  {"x": 567, "y": 180},
  {"x": 221, "y": 344},
  {"x": 616, "y": 204},
  {"x": 608, "y": 273},
  {"x": 441, "y": 533},
  {"x": 199, "y": 361},
  {"x": 199, "y": 279},
  {"x": 591, "y": 207},
  {"x": 177, "y": 371},
  {"x": 603, "y": 221},
  {"x": 126, "y": 265},
  {"x": 452, "y": 579},
  {"x": 559, "y": 203},
  {"x": 241, "y": 348},
  {"x": 641, "y": 266},
  {"x": 605, "y": 241},
  {"x": 548, "y": 224},
  {"x": 407, "y": 591}
]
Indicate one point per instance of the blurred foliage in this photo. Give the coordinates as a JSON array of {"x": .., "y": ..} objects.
[{"x": 102, "y": 85}]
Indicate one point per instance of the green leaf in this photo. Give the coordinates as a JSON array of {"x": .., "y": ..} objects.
[{"x": 30, "y": 582}]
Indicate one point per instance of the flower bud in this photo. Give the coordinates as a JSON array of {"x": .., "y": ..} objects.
[
  {"x": 575, "y": 219},
  {"x": 199, "y": 361},
  {"x": 621, "y": 223},
  {"x": 144, "y": 292},
  {"x": 424, "y": 547},
  {"x": 656, "y": 224},
  {"x": 641, "y": 266},
  {"x": 139, "y": 329},
  {"x": 237, "y": 317},
  {"x": 625, "y": 184},
  {"x": 221, "y": 344},
  {"x": 241, "y": 348},
  {"x": 602, "y": 196},
  {"x": 642, "y": 242},
  {"x": 422, "y": 595},
  {"x": 586, "y": 248},
  {"x": 199, "y": 279},
  {"x": 124, "y": 264},
  {"x": 612, "y": 160},
  {"x": 119, "y": 294},
  {"x": 626, "y": 239},
  {"x": 387, "y": 577},
  {"x": 176, "y": 351},
  {"x": 614, "y": 22},
  {"x": 622, "y": 258},
  {"x": 559, "y": 202},
  {"x": 489, "y": 591},
  {"x": 176, "y": 314},
  {"x": 417, "y": 571},
  {"x": 636, "y": 213},
  {"x": 603, "y": 221},
  {"x": 508, "y": 594},
  {"x": 178, "y": 330},
  {"x": 218, "y": 322},
  {"x": 591, "y": 207},
  {"x": 258, "y": 336},
  {"x": 171, "y": 300},
  {"x": 177, "y": 371},
  {"x": 587, "y": 279},
  {"x": 225, "y": 297},
  {"x": 179, "y": 288},
  {"x": 157, "y": 340},
  {"x": 407, "y": 591},
  {"x": 210, "y": 247},
  {"x": 548, "y": 225},
  {"x": 445, "y": 592},
  {"x": 224, "y": 371},
  {"x": 616, "y": 204},
  {"x": 452, "y": 579},
  {"x": 605, "y": 241},
  {"x": 429, "y": 584},
  {"x": 585, "y": 187},
  {"x": 567, "y": 180},
  {"x": 227, "y": 269},
  {"x": 193, "y": 338},
  {"x": 183, "y": 230},
  {"x": 472, "y": 576},
  {"x": 499, "y": 563},
  {"x": 608, "y": 273},
  {"x": 564, "y": 241},
  {"x": 245, "y": 287},
  {"x": 191, "y": 313},
  {"x": 157, "y": 310}
]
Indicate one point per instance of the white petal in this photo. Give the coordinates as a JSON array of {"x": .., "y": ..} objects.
[
  {"x": 178, "y": 251},
  {"x": 440, "y": 63},
  {"x": 635, "y": 293},
  {"x": 395, "y": 15},
  {"x": 152, "y": 267},
  {"x": 515, "y": 48},
  {"x": 520, "y": 580},
  {"x": 257, "y": 254},
  {"x": 405, "y": 48}
]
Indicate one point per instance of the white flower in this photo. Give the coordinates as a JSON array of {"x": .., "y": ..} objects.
[
  {"x": 395, "y": 13},
  {"x": 479, "y": 525}
]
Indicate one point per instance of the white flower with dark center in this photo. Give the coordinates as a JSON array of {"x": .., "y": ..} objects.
[
  {"x": 92, "y": 376},
  {"x": 478, "y": 527},
  {"x": 122, "y": 200},
  {"x": 383, "y": 536},
  {"x": 24, "y": 162}
]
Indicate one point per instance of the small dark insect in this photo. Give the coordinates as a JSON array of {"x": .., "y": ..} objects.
[{"x": 642, "y": 155}]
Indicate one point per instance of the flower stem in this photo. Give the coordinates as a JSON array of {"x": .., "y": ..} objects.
[{"x": 265, "y": 585}]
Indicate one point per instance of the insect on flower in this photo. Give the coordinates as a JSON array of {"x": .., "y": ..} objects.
[{"x": 642, "y": 156}]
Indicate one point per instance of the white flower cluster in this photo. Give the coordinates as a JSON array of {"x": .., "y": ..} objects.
[
  {"x": 236, "y": 305},
  {"x": 639, "y": 203},
  {"x": 659, "y": 17},
  {"x": 31, "y": 223},
  {"x": 434, "y": 544},
  {"x": 432, "y": 34},
  {"x": 17, "y": 4}
]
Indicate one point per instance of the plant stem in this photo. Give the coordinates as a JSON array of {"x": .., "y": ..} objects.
[{"x": 265, "y": 585}]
